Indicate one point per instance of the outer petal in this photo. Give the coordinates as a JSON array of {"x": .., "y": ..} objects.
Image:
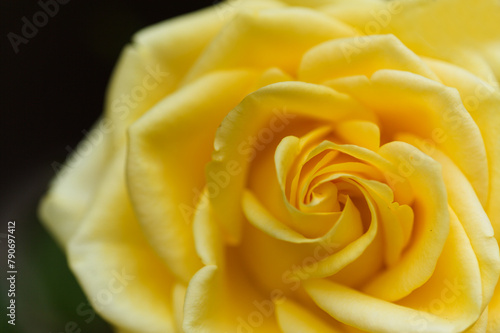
[
  {"x": 447, "y": 30},
  {"x": 108, "y": 255},
  {"x": 470, "y": 213},
  {"x": 268, "y": 38},
  {"x": 169, "y": 148},
  {"x": 482, "y": 100},
  {"x": 359, "y": 56},
  {"x": 152, "y": 67},
  {"x": 73, "y": 191},
  {"x": 156, "y": 62}
]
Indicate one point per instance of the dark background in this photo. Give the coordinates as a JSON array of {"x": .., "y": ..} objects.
[{"x": 51, "y": 91}]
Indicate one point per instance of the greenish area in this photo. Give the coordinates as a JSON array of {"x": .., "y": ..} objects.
[{"x": 48, "y": 297}]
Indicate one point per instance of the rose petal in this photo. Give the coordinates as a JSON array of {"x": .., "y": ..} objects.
[
  {"x": 287, "y": 158},
  {"x": 466, "y": 206},
  {"x": 368, "y": 313},
  {"x": 430, "y": 227},
  {"x": 73, "y": 191},
  {"x": 359, "y": 56},
  {"x": 278, "y": 257},
  {"x": 293, "y": 318},
  {"x": 450, "y": 300},
  {"x": 107, "y": 255},
  {"x": 166, "y": 161},
  {"x": 410, "y": 103},
  {"x": 272, "y": 75},
  {"x": 361, "y": 133},
  {"x": 279, "y": 102},
  {"x": 346, "y": 229},
  {"x": 216, "y": 302},
  {"x": 454, "y": 291},
  {"x": 494, "y": 311},
  {"x": 208, "y": 239},
  {"x": 179, "y": 294},
  {"x": 481, "y": 100},
  {"x": 154, "y": 64},
  {"x": 250, "y": 40},
  {"x": 481, "y": 324},
  {"x": 455, "y": 37}
]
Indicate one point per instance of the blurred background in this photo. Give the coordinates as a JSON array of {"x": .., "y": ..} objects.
[{"x": 52, "y": 91}]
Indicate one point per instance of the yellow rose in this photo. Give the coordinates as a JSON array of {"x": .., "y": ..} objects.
[{"x": 294, "y": 166}]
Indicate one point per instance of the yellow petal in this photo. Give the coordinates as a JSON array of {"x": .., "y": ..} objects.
[
  {"x": 371, "y": 314},
  {"x": 272, "y": 75},
  {"x": 364, "y": 267},
  {"x": 278, "y": 257},
  {"x": 107, "y": 256},
  {"x": 481, "y": 324},
  {"x": 216, "y": 302},
  {"x": 288, "y": 162},
  {"x": 397, "y": 233},
  {"x": 450, "y": 301},
  {"x": 339, "y": 260},
  {"x": 73, "y": 190},
  {"x": 202, "y": 302},
  {"x": 294, "y": 318},
  {"x": 383, "y": 198},
  {"x": 165, "y": 41},
  {"x": 430, "y": 227},
  {"x": 446, "y": 30},
  {"x": 410, "y": 103},
  {"x": 268, "y": 38},
  {"x": 168, "y": 149},
  {"x": 359, "y": 56},
  {"x": 470, "y": 213},
  {"x": 207, "y": 236},
  {"x": 396, "y": 220},
  {"x": 345, "y": 230},
  {"x": 481, "y": 100},
  {"x": 454, "y": 291},
  {"x": 307, "y": 3},
  {"x": 178, "y": 296},
  {"x": 494, "y": 312},
  {"x": 361, "y": 133},
  {"x": 277, "y": 104},
  {"x": 154, "y": 64}
]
